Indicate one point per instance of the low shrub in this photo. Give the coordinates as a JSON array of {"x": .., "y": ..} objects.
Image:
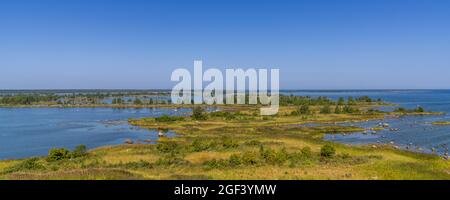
[
  {"x": 133, "y": 165},
  {"x": 228, "y": 143},
  {"x": 202, "y": 145},
  {"x": 327, "y": 151},
  {"x": 28, "y": 164},
  {"x": 79, "y": 151},
  {"x": 215, "y": 164},
  {"x": 250, "y": 158},
  {"x": 234, "y": 160},
  {"x": 167, "y": 118},
  {"x": 168, "y": 147},
  {"x": 306, "y": 152},
  {"x": 198, "y": 113},
  {"x": 58, "y": 154},
  {"x": 170, "y": 160}
]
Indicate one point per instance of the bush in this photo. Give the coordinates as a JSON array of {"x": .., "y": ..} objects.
[
  {"x": 419, "y": 109},
  {"x": 198, "y": 113},
  {"x": 325, "y": 110},
  {"x": 79, "y": 151},
  {"x": 28, "y": 164},
  {"x": 338, "y": 110},
  {"x": 215, "y": 164},
  {"x": 327, "y": 151},
  {"x": 202, "y": 145},
  {"x": 229, "y": 143},
  {"x": 274, "y": 157},
  {"x": 400, "y": 110},
  {"x": 167, "y": 147},
  {"x": 250, "y": 158},
  {"x": 167, "y": 118},
  {"x": 307, "y": 152},
  {"x": 171, "y": 159},
  {"x": 404, "y": 110},
  {"x": 304, "y": 110},
  {"x": 58, "y": 154},
  {"x": 235, "y": 160}
]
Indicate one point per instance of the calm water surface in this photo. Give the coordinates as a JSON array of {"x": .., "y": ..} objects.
[{"x": 26, "y": 132}]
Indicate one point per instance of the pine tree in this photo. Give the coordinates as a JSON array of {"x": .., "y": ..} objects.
[{"x": 338, "y": 110}]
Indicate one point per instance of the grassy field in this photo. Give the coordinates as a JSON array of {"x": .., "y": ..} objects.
[
  {"x": 441, "y": 123},
  {"x": 237, "y": 143}
]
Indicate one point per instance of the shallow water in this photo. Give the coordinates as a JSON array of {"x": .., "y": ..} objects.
[
  {"x": 27, "y": 132},
  {"x": 415, "y": 133}
]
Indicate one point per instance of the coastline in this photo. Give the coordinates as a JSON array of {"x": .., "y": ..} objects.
[{"x": 206, "y": 145}]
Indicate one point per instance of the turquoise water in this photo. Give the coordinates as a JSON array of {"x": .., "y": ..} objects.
[
  {"x": 415, "y": 133},
  {"x": 27, "y": 132}
]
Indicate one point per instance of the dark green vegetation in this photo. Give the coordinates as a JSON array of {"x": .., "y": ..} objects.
[
  {"x": 404, "y": 110},
  {"x": 88, "y": 97}
]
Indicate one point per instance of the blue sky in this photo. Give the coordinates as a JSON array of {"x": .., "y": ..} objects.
[{"x": 316, "y": 44}]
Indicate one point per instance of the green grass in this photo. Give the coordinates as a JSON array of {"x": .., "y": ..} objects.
[{"x": 441, "y": 123}]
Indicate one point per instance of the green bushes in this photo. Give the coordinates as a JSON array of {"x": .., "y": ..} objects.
[
  {"x": 228, "y": 143},
  {"x": 22, "y": 99},
  {"x": 349, "y": 109},
  {"x": 167, "y": 118},
  {"x": 198, "y": 113},
  {"x": 168, "y": 147},
  {"x": 28, "y": 164},
  {"x": 58, "y": 154},
  {"x": 325, "y": 110},
  {"x": 306, "y": 152},
  {"x": 204, "y": 144},
  {"x": 302, "y": 110},
  {"x": 251, "y": 158},
  {"x": 133, "y": 165},
  {"x": 273, "y": 157},
  {"x": 404, "y": 110},
  {"x": 224, "y": 115},
  {"x": 302, "y": 100},
  {"x": 419, "y": 109},
  {"x": 234, "y": 160},
  {"x": 64, "y": 154},
  {"x": 337, "y": 110},
  {"x": 79, "y": 151},
  {"x": 327, "y": 151},
  {"x": 171, "y": 159}
]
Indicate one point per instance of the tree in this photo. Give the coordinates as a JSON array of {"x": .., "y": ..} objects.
[
  {"x": 58, "y": 154},
  {"x": 79, "y": 151},
  {"x": 350, "y": 101},
  {"x": 137, "y": 101},
  {"x": 348, "y": 109},
  {"x": 338, "y": 110},
  {"x": 304, "y": 110},
  {"x": 341, "y": 101},
  {"x": 420, "y": 109},
  {"x": 327, "y": 151},
  {"x": 325, "y": 109}
]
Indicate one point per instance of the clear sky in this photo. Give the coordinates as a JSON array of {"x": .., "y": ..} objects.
[{"x": 316, "y": 44}]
